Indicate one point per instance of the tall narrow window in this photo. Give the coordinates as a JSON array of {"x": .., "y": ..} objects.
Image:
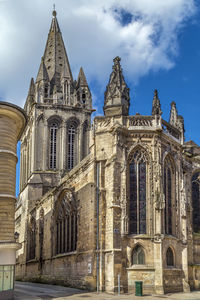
[
  {"x": 137, "y": 178},
  {"x": 65, "y": 224},
  {"x": 168, "y": 175},
  {"x": 170, "y": 257},
  {"x": 196, "y": 201},
  {"x": 31, "y": 239},
  {"x": 85, "y": 140},
  {"x": 72, "y": 142},
  {"x": 138, "y": 256},
  {"x": 53, "y": 145}
]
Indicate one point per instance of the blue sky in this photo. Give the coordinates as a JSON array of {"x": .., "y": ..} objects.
[{"x": 158, "y": 42}]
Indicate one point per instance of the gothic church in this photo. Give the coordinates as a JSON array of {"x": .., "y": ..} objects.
[{"x": 118, "y": 196}]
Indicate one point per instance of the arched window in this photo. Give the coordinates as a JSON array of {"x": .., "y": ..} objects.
[
  {"x": 85, "y": 140},
  {"x": 72, "y": 145},
  {"x": 168, "y": 188},
  {"x": 31, "y": 239},
  {"x": 53, "y": 145},
  {"x": 138, "y": 256},
  {"x": 65, "y": 224},
  {"x": 196, "y": 201},
  {"x": 137, "y": 177},
  {"x": 170, "y": 257}
]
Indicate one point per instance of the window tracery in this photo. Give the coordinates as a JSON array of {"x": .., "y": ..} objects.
[
  {"x": 31, "y": 239},
  {"x": 65, "y": 224},
  {"x": 53, "y": 145},
  {"x": 168, "y": 192},
  {"x": 196, "y": 201},
  {"x": 138, "y": 256},
  {"x": 137, "y": 182},
  {"x": 72, "y": 144}
]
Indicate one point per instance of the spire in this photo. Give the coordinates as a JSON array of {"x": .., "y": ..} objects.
[
  {"x": 117, "y": 98},
  {"x": 42, "y": 73},
  {"x": 81, "y": 78},
  {"x": 156, "y": 108},
  {"x": 55, "y": 56}
]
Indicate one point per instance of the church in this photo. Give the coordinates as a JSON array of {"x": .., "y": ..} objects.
[{"x": 115, "y": 197}]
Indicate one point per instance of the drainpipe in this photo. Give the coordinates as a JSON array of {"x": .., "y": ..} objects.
[{"x": 97, "y": 249}]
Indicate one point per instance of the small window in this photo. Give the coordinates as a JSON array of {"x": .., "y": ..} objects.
[
  {"x": 138, "y": 256},
  {"x": 170, "y": 257}
]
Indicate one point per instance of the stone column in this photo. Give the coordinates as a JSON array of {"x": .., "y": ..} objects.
[{"x": 12, "y": 123}]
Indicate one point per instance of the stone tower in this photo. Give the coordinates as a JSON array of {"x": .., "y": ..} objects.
[{"x": 59, "y": 111}]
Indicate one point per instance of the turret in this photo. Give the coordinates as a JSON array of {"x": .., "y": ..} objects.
[{"x": 83, "y": 92}]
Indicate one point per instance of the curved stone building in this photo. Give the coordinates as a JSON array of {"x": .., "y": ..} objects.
[{"x": 12, "y": 124}]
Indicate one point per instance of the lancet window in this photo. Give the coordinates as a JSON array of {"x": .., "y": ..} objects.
[
  {"x": 138, "y": 191},
  {"x": 169, "y": 178},
  {"x": 85, "y": 140},
  {"x": 196, "y": 201},
  {"x": 138, "y": 256},
  {"x": 65, "y": 224},
  {"x": 170, "y": 257},
  {"x": 31, "y": 239},
  {"x": 72, "y": 145},
  {"x": 53, "y": 145}
]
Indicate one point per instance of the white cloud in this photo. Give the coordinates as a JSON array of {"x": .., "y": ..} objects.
[{"x": 93, "y": 35}]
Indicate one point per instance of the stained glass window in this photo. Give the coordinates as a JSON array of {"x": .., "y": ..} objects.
[
  {"x": 66, "y": 225},
  {"x": 170, "y": 257},
  {"x": 137, "y": 177},
  {"x": 196, "y": 201},
  {"x": 138, "y": 256},
  {"x": 53, "y": 144},
  {"x": 71, "y": 145},
  {"x": 168, "y": 197},
  {"x": 31, "y": 239}
]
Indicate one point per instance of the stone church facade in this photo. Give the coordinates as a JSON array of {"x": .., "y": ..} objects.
[{"x": 118, "y": 196}]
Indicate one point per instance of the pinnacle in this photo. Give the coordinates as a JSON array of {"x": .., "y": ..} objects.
[
  {"x": 156, "y": 108},
  {"x": 81, "y": 78}
]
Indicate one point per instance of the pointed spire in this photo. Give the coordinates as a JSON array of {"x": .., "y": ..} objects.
[
  {"x": 173, "y": 114},
  {"x": 156, "y": 107},
  {"x": 42, "y": 73},
  {"x": 81, "y": 78},
  {"x": 117, "y": 98},
  {"x": 55, "y": 56},
  {"x": 31, "y": 91}
]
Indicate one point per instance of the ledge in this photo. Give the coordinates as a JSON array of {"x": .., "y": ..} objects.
[
  {"x": 64, "y": 254},
  {"x": 9, "y": 245},
  {"x": 140, "y": 268}
]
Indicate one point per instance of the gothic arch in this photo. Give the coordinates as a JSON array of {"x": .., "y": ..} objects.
[
  {"x": 169, "y": 189},
  {"x": 85, "y": 140},
  {"x": 31, "y": 238},
  {"x": 55, "y": 118},
  {"x": 195, "y": 188},
  {"x": 72, "y": 142},
  {"x": 64, "y": 223},
  {"x": 138, "y": 255},
  {"x": 170, "y": 257},
  {"x": 138, "y": 190}
]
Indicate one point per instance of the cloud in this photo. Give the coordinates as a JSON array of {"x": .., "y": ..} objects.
[{"x": 143, "y": 32}]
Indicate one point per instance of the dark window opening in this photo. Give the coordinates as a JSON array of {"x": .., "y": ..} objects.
[
  {"x": 138, "y": 256},
  {"x": 170, "y": 257}
]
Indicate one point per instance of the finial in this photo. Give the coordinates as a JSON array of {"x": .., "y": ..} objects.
[
  {"x": 116, "y": 60},
  {"x": 54, "y": 11},
  {"x": 156, "y": 93}
]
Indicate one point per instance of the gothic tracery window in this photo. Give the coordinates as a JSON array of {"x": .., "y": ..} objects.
[
  {"x": 196, "y": 201},
  {"x": 138, "y": 256},
  {"x": 137, "y": 183},
  {"x": 31, "y": 239},
  {"x": 65, "y": 224},
  {"x": 168, "y": 192},
  {"x": 72, "y": 145},
  {"x": 85, "y": 140},
  {"x": 170, "y": 257},
  {"x": 53, "y": 145}
]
